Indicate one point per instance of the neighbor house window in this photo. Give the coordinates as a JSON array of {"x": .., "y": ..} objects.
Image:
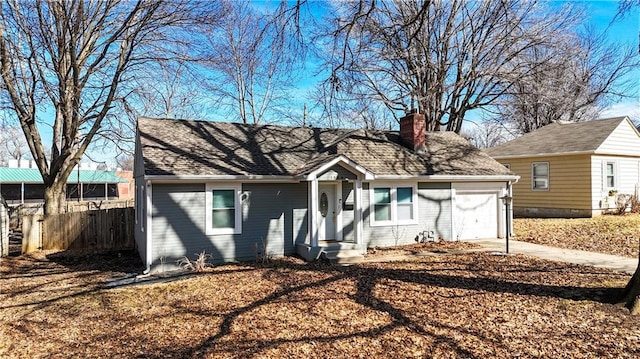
[
  {"x": 393, "y": 204},
  {"x": 223, "y": 209},
  {"x": 611, "y": 174},
  {"x": 540, "y": 175}
]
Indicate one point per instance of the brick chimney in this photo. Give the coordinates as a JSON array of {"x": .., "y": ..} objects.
[{"x": 413, "y": 129}]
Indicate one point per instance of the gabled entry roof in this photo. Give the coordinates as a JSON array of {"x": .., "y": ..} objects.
[{"x": 200, "y": 148}]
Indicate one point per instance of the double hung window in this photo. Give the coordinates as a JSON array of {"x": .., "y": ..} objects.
[
  {"x": 540, "y": 176},
  {"x": 611, "y": 175},
  {"x": 224, "y": 211},
  {"x": 393, "y": 204}
]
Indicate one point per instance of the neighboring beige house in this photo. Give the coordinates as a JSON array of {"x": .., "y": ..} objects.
[{"x": 570, "y": 169}]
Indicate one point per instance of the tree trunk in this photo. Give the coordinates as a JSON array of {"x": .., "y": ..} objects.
[
  {"x": 631, "y": 296},
  {"x": 55, "y": 198}
]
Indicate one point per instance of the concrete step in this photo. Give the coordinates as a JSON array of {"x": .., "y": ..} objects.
[{"x": 343, "y": 256}]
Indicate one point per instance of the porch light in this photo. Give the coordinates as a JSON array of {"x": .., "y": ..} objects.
[{"x": 507, "y": 203}]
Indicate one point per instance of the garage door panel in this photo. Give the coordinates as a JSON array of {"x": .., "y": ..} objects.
[{"x": 476, "y": 215}]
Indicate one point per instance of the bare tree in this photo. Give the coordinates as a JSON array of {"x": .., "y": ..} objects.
[
  {"x": 125, "y": 162},
  {"x": 575, "y": 84},
  {"x": 487, "y": 133},
  {"x": 12, "y": 144},
  {"x": 625, "y": 7},
  {"x": 70, "y": 58},
  {"x": 251, "y": 60},
  {"x": 443, "y": 58},
  {"x": 169, "y": 90}
]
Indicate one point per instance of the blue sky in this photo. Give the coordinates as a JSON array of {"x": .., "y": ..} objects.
[
  {"x": 626, "y": 31},
  {"x": 600, "y": 14}
]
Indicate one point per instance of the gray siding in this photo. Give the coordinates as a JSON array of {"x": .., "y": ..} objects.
[
  {"x": 435, "y": 208},
  {"x": 337, "y": 172},
  {"x": 348, "y": 231},
  {"x": 434, "y": 213},
  {"x": 274, "y": 214}
]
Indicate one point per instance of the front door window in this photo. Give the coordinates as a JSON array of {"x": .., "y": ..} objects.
[{"x": 324, "y": 204}]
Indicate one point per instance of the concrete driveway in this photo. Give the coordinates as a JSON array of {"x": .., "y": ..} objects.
[{"x": 599, "y": 260}]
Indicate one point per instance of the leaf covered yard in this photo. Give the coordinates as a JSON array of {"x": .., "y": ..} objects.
[
  {"x": 616, "y": 235},
  {"x": 448, "y": 306}
]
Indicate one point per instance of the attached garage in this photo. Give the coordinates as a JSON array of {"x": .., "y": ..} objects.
[{"x": 478, "y": 211}]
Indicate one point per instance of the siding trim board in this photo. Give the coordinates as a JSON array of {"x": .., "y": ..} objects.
[{"x": 149, "y": 225}]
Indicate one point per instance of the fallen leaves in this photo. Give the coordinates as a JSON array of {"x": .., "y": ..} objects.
[
  {"x": 448, "y": 306},
  {"x": 617, "y": 235}
]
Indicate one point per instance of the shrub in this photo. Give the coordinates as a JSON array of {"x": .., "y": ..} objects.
[
  {"x": 622, "y": 203},
  {"x": 262, "y": 255},
  {"x": 635, "y": 204},
  {"x": 198, "y": 265}
]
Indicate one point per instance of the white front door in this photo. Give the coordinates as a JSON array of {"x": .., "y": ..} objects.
[{"x": 327, "y": 212}]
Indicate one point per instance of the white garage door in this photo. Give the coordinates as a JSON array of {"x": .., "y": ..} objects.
[{"x": 476, "y": 215}]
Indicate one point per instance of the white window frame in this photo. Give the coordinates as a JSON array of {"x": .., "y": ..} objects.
[
  {"x": 394, "y": 204},
  {"x": 533, "y": 177},
  {"x": 237, "y": 188},
  {"x": 614, "y": 166}
]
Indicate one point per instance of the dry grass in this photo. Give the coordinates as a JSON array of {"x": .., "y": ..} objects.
[
  {"x": 447, "y": 306},
  {"x": 617, "y": 235}
]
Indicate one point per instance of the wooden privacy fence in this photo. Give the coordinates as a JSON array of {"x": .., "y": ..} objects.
[{"x": 109, "y": 229}]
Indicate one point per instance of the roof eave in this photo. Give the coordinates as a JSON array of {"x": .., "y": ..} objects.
[
  {"x": 551, "y": 154},
  {"x": 218, "y": 178},
  {"x": 452, "y": 178}
]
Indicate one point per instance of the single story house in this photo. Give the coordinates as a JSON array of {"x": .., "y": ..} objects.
[
  {"x": 235, "y": 190},
  {"x": 573, "y": 169},
  {"x": 24, "y": 184}
]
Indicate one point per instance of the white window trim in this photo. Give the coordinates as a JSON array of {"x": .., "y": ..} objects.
[
  {"x": 237, "y": 188},
  {"x": 394, "y": 204},
  {"x": 533, "y": 182}
]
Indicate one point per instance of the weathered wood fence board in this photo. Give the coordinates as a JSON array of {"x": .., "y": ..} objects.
[
  {"x": 4, "y": 230},
  {"x": 109, "y": 229}
]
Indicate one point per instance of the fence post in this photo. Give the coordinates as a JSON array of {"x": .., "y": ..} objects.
[{"x": 4, "y": 229}]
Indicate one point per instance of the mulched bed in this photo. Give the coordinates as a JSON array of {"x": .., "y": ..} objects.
[
  {"x": 422, "y": 248},
  {"x": 446, "y": 306},
  {"x": 610, "y": 234}
]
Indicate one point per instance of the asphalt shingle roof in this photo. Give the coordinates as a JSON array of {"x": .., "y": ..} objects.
[
  {"x": 559, "y": 138},
  {"x": 187, "y": 147}
]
